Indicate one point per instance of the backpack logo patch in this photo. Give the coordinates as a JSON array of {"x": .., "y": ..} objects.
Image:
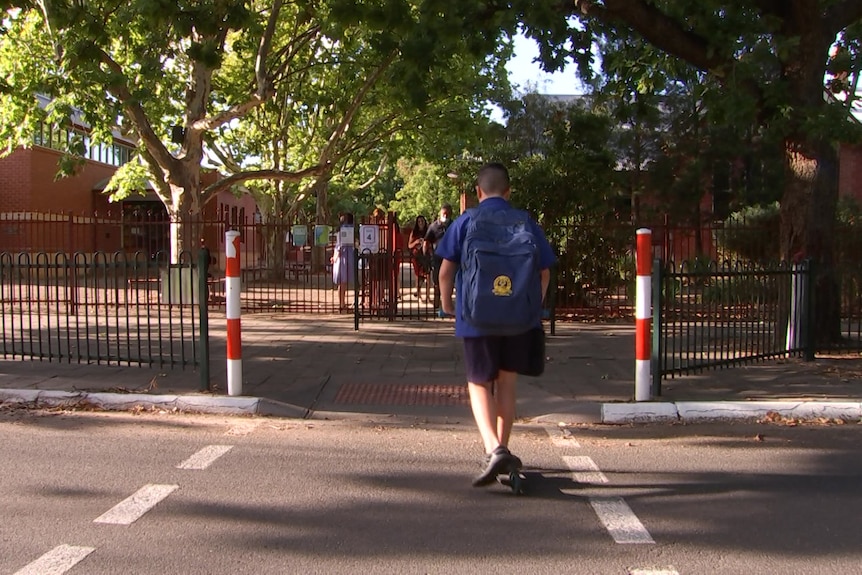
[{"x": 502, "y": 286}]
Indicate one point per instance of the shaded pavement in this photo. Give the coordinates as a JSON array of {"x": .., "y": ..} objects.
[{"x": 320, "y": 367}]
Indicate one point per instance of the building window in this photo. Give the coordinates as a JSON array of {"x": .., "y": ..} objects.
[{"x": 115, "y": 154}]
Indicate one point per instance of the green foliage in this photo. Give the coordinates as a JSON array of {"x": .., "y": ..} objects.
[
  {"x": 559, "y": 158},
  {"x": 750, "y": 288},
  {"x": 848, "y": 233},
  {"x": 592, "y": 256},
  {"x": 131, "y": 178},
  {"x": 751, "y": 234},
  {"x": 425, "y": 189}
]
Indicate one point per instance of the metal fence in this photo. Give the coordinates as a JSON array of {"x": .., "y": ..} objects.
[
  {"x": 710, "y": 316},
  {"x": 99, "y": 308},
  {"x": 115, "y": 299}
]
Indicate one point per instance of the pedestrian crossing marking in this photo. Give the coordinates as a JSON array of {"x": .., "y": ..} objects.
[
  {"x": 205, "y": 457},
  {"x": 56, "y": 561},
  {"x": 132, "y": 508}
]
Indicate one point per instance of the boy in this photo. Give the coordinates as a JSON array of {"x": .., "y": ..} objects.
[{"x": 492, "y": 361}]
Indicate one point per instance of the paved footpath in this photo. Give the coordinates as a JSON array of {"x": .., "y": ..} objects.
[{"x": 313, "y": 367}]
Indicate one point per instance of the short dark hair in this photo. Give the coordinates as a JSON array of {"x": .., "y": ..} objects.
[
  {"x": 447, "y": 206},
  {"x": 493, "y": 178}
]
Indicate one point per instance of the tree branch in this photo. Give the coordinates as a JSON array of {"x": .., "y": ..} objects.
[
  {"x": 155, "y": 148},
  {"x": 229, "y": 181},
  {"x": 658, "y": 29}
]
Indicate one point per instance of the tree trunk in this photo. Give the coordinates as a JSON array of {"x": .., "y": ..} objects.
[
  {"x": 808, "y": 210},
  {"x": 318, "y": 253},
  {"x": 185, "y": 214}
]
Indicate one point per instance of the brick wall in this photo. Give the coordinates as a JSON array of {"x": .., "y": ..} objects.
[
  {"x": 15, "y": 181},
  {"x": 73, "y": 194}
]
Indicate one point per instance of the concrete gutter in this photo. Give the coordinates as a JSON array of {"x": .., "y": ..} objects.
[
  {"x": 694, "y": 411},
  {"x": 605, "y": 413}
]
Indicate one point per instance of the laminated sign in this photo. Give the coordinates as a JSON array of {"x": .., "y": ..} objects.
[
  {"x": 300, "y": 235},
  {"x": 321, "y": 235},
  {"x": 369, "y": 238},
  {"x": 345, "y": 236}
]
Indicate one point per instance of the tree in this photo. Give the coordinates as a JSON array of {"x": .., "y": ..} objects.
[
  {"x": 144, "y": 66},
  {"x": 150, "y": 65},
  {"x": 772, "y": 57}
]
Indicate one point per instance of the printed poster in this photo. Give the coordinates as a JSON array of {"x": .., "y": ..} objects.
[
  {"x": 369, "y": 238},
  {"x": 300, "y": 235},
  {"x": 321, "y": 235}
]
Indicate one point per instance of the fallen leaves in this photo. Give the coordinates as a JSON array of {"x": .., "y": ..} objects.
[{"x": 779, "y": 419}]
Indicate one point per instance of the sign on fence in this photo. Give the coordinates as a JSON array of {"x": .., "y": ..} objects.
[
  {"x": 300, "y": 235},
  {"x": 369, "y": 238}
]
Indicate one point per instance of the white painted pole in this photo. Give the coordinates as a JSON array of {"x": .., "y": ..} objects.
[{"x": 232, "y": 313}]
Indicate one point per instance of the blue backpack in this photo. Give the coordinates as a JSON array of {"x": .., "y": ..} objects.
[{"x": 501, "y": 287}]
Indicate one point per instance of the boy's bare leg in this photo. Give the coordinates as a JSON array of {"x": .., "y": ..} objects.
[
  {"x": 505, "y": 405},
  {"x": 484, "y": 407}
]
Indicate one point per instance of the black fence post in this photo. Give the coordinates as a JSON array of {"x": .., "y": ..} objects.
[
  {"x": 357, "y": 283},
  {"x": 552, "y": 304},
  {"x": 657, "y": 304},
  {"x": 808, "y": 269},
  {"x": 203, "y": 299}
]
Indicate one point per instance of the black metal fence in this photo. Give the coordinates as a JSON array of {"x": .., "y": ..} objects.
[
  {"x": 708, "y": 316},
  {"x": 99, "y": 308},
  {"x": 123, "y": 303}
]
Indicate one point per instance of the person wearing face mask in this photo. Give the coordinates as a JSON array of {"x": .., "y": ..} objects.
[{"x": 432, "y": 237}]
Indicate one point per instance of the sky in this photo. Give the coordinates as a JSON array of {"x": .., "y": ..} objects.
[{"x": 522, "y": 70}]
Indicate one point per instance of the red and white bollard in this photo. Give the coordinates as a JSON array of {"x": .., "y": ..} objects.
[
  {"x": 232, "y": 305},
  {"x": 643, "y": 315}
]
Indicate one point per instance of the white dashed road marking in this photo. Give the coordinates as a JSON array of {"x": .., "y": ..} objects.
[
  {"x": 56, "y": 561},
  {"x": 131, "y": 509},
  {"x": 620, "y": 521},
  {"x": 204, "y": 458},
  {"x": 658, "y": 571},
  {"x": 584, "y": 469}
]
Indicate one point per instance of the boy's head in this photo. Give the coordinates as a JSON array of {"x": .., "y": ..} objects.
[{"x": 493, "y": 180}]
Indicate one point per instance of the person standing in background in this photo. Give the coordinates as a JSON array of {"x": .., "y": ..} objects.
[
  {"x": 343, "y": 261},
  {"x": 416, "y": 245},
  {"x": 435, "y": 233}
]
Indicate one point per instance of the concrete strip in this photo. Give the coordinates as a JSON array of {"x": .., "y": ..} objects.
[
  {"x": 239, "y": 405},
  {"x": 274, "y": 408},
  {"x": 639, "y": 412},
  {"x": 706, "y": 410},
  {"x": 18, "y": 395}
]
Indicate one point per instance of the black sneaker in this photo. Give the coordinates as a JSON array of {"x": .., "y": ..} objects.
[
  {"x": 499, "y": 462},
  {"x": 516, "y": 462}
]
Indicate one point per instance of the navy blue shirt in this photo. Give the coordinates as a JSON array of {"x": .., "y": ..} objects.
[{"x": 450, "y": 248}]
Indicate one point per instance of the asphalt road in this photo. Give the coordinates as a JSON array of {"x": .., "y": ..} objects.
[{"x": 159, "y": 493}]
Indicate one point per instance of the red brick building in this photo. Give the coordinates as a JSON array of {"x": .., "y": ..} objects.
[{"x": 39, "y": 213}]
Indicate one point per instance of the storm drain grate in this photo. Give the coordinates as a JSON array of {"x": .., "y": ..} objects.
[{"x": 401, "y": 394}]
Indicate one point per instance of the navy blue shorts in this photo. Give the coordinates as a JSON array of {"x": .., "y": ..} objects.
[{"x": 485, "y": 356}]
